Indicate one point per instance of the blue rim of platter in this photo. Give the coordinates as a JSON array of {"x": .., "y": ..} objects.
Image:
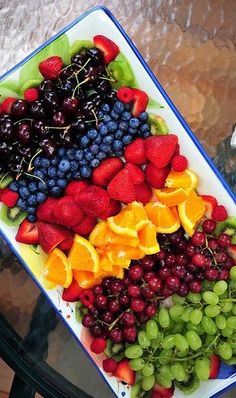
[{"x": 177, "y": 114}]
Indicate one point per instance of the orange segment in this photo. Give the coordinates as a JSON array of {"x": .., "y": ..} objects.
[
  {"x": 112, "y": 238},
  {"x": 98, "y": 236},
  {"x": 119, "y": 258},
  {"x": 105, "y": 263},
  {"x": 140, "y": 215},
  {"x": 171, "y": 196},
  {"x": 118, "y": 272},
  {"x": 57, "y": 269},
  {"x": 148, "y": 239},
  {"x": 162, "y": 217},
  {"x": 191, "y": 211},
  {"x": 86, "y": 279},
  {"x": 181, "y": 179},
  {"x": 83, "y": 255},
  {"x": 123, "y": 224}
]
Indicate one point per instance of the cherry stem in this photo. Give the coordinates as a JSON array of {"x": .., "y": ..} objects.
[
  {"x": 20, "y": 173},
  {"x": 22, "y": 120},
  {"x": 30, "y": 168},
  {"x": 95, "y": 117},
  {"x": 110, "y": 79},
  {"x": 78, "y": 85},
  {"x": 2, "y": 178},
  {"x": 33, "y": 176},
  {"x": 58, "y": 128}
]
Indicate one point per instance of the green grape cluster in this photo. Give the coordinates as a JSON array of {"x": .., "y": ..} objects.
[{"x": 175, "y": 346}]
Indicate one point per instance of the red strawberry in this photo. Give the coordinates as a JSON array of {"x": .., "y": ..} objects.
[
  {"x": 93, "y": 200},
  {"x": 28, "y": 233},
  {"x": 51, "y": 235},
  {"x": 85, "y": 226},
  {"x": 140, "y": 99},
  {"x": 160, "y": 149},
  {"x": 72, "y": 293},
  {"x": 51, "y": 67},
  {"x": 215, "y": 366},
  {"x": 155, "y": 394},
  {"x": 98, "y": 345},
  {"x": 179, "y": 163},
  {"x": 108, "y": 47},
  {"x": 210, "y": 203},
  {"x": 66, "y": 212},
  {"x": 219, "y": 213},
  {"x": 112, "y": 210},
  {"x": 136, "y": 174},
  {"x": 75, "y": 187},
  {"x": 66, "y": 244},
  {"x": 8, "y": 197},
  {"x": 124, "y": 372},
  {"x": 45, "y": 211},
  {"x": 125, "y": 94},
  {"x": 108, "y": 168},
  {"x": 232, "y": 252},
  {"x": 143, "y": 193},
  {"x": 155, "y": 177},
  {"x": 7, "y": 103},
  {"x": 1, "y": 109},
  {"x": 31, "y": 94},
  {"x": 163, "y": 391},
  {"x": 121, "y": 187},
  {"x": 136, "y": 152}
]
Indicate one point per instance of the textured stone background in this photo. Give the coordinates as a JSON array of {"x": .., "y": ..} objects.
[{"x": 190, "y": 46}]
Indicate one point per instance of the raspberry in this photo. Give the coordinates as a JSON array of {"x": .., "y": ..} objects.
[
  {"x": 109, "y": 365},
  {"x": 125, "y": 94},
  {"x": 219, "y": 213},
  {"x": 87, "y": 298},
  {"x": 7, "y": 104},
  {"x": 51, "y": 67},
  {"x": 31, "y": 94},
  {"x": 98, "y": 345},
  {"x": 179, "y": 163}
]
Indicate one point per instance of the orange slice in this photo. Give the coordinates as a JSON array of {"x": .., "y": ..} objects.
[
  {"x": 86, "y": 279},
  {"x": 123, "y": 224},
  {"x": 191, "y": 211},
  {"x": 171, "y": 196},
  {"x": 105, "y": 263},
  {"x": 121, "y": 255},
  {"x": 118, "y": 272},
  {"x": 162, "y": 217},
  {"x": 119, "y": 259},
  {"x": 83, "y": 255},
  {"x": 57, "y": 269},
  {"x": 148, "y": 239},
  {"x": 115, "y": 239},
  {"x": 98, "y": 236},
  {"x": 140, "y": 215},
  {"x": 182, "y": 179}
]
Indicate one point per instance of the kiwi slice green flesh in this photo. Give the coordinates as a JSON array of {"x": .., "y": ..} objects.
[
  {"x": 115, "y": 351},
  {"x": 157, "y": 124},
  {"x": 13, "y": 216},
  {"x": 80, "y": 46},
  {"x": 5, "y": 180},
  {"x": 228, "y": 227}
]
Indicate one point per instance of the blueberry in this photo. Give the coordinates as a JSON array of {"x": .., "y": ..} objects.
[
  {"x": 83, "y": 162},
  {"x": 95, "y": 163},
  {"x": 89, "y": 156},
  {"x": 106, "y": 119},
  {"x": 31, "y": 209},
  {"x": 45, "y": 163},
  {"x": 31, "y": 218},
  {"x": 22, "y": 204},
  {"x": 144, "y": 127},
  {"x": 118, "y": 145},
  {"x": 42, "y": 186},
  {"x": 61, "y": 152},
  {"x": 32, "y": 200},
  {"x": 37, "y": 161},
  {"x": 61, "y": 182},
  {"x": 105, "y": 108},
  {"x": 23, "y": 183},
  {"x": 126, "y": 115},
  {"x": 70, "y": 153},
  {"x": 64, "y": 165},
  {"x": 132, "y": 131},
  {"x": 84, "y": 141},
  {"x": 85, "y": 172},
  {"x": 108, "y": 139},
  {"x": 123, "y": 126},
  {"x": 146, "y": 134},
  {"x": 114, "y": 115},
  {"x": 68, "y": 176},
  {"x": 56, "y": 191},
  {"x": 60, "y": 174},
  {"x": 41, "y": 197},
  {"x": 98, "y": 140},
  {"x": 134, "y": 123},
  {"x": 105, "y": 148},
  {"x": 51, "y": 183},
  {"x": 76, "y": 175},
  {"x": 94, "y": 148},
  {"x": 74, "y": 165},
  {"x": 101, "y": 155},
  {"x": 112, "y": 126},
  {"x": 119, "y": 134},
  {"x": 127, "y": 139},
  {"x": 103, "y": 130},
  {"x": 33, "y": 187},
  {"x": 24, "y": 192},
  {"x": 79, "y": 154},
  {"x": 118, "y": 107},
  {"x": 52, "y": 171},
  {"x": 54, "y": 161},
  {"x": 92, "y": 134},
  {"x": 100, "y": 115},
  {"x": 39, "y": 173},
  {"x": 14, "y": 186},
  {"x": 143, "y": 116}
]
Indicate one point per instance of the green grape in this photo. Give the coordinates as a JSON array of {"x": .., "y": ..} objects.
[
  {"x": 194, "y": 298},
  {"x": 233, "y": 273},
  {"x": 167, "y": 383},
  {"x": 148, "y": 369},
  {"x": 224, "y": 350},
  {"x": 234, "y": 309},
  {"x": 178, "y": 371},
  {"x": 182, "y": 353},
  {"x": 226, "y": 307},
  {"x": 177, "y": 299},
  {"x": 220, "y": 321},
  {"x": 232, "y": 341},
  {"x": 212, "y": 310},
  {"x": 148, "y": 383},
  {"x": 143, "y": 340},
  {"x": 168, "y": 342},
  {"x": 176, "y": 312},
  {"x": 208, "y": 325},
  {"x": 134, "y": 351},
  {"x": 186, "y": 314},
  {"x": 231, "y": 322},
  {"x": 210, "y": 298},
  {"x": 231, "y": 361},
  {"x": 165, "y": 356},
  {"x": 169, "y": 328},
  {"x": 207, "y": 285},
  {"x": 220, "y": 288},
  {"x": 227, "y": 332},
  {"x": 194, "y": 340},
  {"x": 165, "y": 371},
  {"x": 155, "y": 342},
  {"x": 202, "y": 368},
  {"x": 164, "y": 317},
  {"x": 135, "y": 390},
  {"x": 196, "y": 316},
  {"x": 209, "y": 340},
  {"x": 152, "y": 329},
  {"x": 180, "y": 342},
  {"x": 197, "y": 328},
  {"x": 137, "y": 364},
  {"x": 178, "y": 327}
]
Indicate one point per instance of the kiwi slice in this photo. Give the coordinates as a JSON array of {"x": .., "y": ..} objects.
[
  {"x": 5, "y": 180},
  {"x": 115, "y": 351},
  {"x": 157, "y": 124},
  {"x": 13, "y": 216},
  {"x": 228, "y": 227},
  {"x": 121, "y": 71},
  {"x": 189, "y": 385},
  {"x": 80, "y": 46}
]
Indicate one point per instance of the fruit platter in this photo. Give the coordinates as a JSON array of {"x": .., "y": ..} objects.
[{"x": 115, "y": 210}]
